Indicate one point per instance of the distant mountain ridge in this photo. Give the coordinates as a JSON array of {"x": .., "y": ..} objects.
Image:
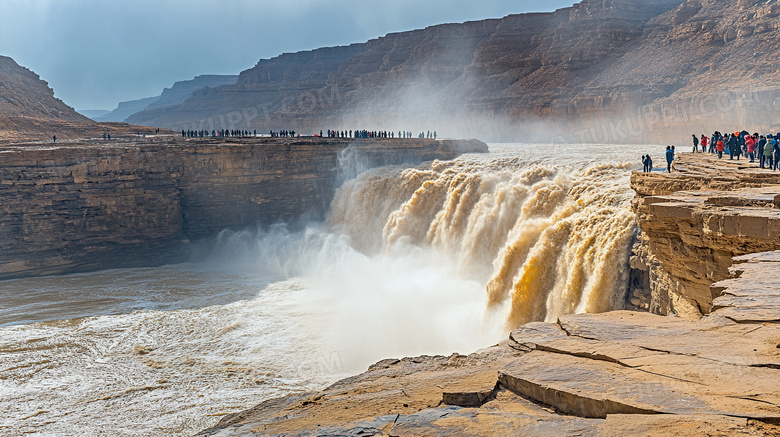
[
  {"x": 579, "y": 72},
  {"x": 30, "y": 112},
  {"x": 175, "y": 95},
  {"x": 126, "y": 109},
  {"x": 24, "y": 94}
]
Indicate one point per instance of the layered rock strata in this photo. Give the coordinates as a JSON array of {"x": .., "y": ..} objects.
[
  {"x": 86, "y": 206},
  {"x": 693, "y": 221}
]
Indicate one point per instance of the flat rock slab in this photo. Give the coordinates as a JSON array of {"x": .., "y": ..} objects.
[
  {"x": 715, "y": 338},
  {"x": 752, "y": 314},
  {"x": 753, "y": 295},
  {"x": 471, "y": 392},
  {"x": 596, "y": 389},
  {"x": 622, "y": 425},
  {"x": 759, "y": 257},
  {"x": 745, "y": 302},
  {"x": 628, "y": 325}
]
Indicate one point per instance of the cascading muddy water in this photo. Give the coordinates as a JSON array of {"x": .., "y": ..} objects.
[{"x": 547, "y": 238}]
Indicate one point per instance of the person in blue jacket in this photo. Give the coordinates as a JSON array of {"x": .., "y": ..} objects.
[{"x": 669, "y": 158}]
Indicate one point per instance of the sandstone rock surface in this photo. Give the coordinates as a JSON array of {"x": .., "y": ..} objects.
[
  {"x": 694, "y": 221},
  {"x": 620, "y": 373}
]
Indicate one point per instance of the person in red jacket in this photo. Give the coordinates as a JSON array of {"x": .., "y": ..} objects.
[
  {"x": 719, "y": 147},
  {"x": 750, "y": 143},
  {"x": 703, "y": 143}
]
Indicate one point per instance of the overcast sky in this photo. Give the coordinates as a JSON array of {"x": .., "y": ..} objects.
[{"x": 96, "y": 53}]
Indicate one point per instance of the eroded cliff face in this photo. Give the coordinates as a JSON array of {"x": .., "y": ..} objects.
[
  {"x": 693, "y": 221},
  {"x": 600, "y": 71},
  {"x": 84, "y": 207}
]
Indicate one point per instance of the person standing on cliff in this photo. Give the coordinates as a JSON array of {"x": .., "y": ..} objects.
[
  {"x": 750, "y": 145},
  {"x": 734, "y": 144},
  {"x": 776, "y": 149},
  {"x": 696, "y": 143},
  {"x": 714, "y": 141},
  {"x": 669, "y": 158},
  {"x": 54, "y": 138},
  {"x": 763, "y": 145}
]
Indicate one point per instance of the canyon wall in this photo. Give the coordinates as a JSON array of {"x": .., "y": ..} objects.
[
  {"x": 693, "y": 222},
  {"x": 83, "y": 207},
  {"x": 600, "y": 71}
]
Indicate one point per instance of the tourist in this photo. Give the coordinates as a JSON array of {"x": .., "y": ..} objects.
[
  {"x": 703, "y": 143},
  {"x": 714, "y": 141},
  {"x": 734, "y": 148},
  {"x": 696, "y": 143},
  {"x": 760, "y": 150},
  {"x": 719, "y": 148},
  {"x": 776, "y": 149},
  {"x": 648, "y": 164},
  {"x": 669, "y": 159},
  {"x": 54, "y": 138},
  {"x": 750, "y": 146},
  {"x": 766, "y": 152}
]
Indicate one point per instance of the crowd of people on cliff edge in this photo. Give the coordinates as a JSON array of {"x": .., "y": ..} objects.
[
  {"x": 362, "y": 133},
  {"x": 222, "y": 133},
  {"x": 764, "y": 148},
  {"x": 284, "y": 134}
]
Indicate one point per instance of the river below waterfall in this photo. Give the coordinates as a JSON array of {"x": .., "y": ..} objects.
[{"x": 441, "y": 258}]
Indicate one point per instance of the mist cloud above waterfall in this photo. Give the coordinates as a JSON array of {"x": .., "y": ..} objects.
[{"x": 95, "y": 53}]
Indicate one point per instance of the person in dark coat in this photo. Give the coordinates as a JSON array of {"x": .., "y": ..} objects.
[
  {"x": 669, "y": 158},
  {"x": 734, "y": 147}
]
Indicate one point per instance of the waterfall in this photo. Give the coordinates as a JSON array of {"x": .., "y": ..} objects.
[{"x": 545, "y": 238}]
